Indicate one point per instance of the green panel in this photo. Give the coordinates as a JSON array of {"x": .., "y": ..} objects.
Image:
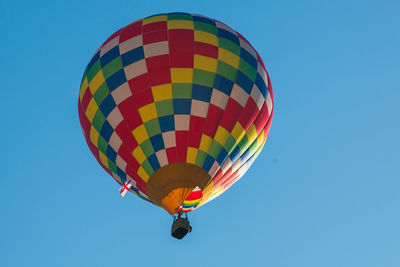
[
  {"x": 205, "y": 27},
  {"x": 102, "y": 145},
  {"x": 147, "y": 167},
  {"x": 112, "y": 166},
  {"x": 112, "y": 67},
  {"x": 230, "y": 144},
  {"x": 226, "y": 70},
  {"x": 243, "y": 143},
  {"x": 147, "y": 148},
  {"x": 165, "y": 108},
  {"x": 94, "y": 70},
  {"x": 153, "y": 127},
  {"x": 204, "y": 78},
  {"x": 182, "y": 90},
  {"x": 215, "y": 149},
  {"x": 229, "y": 45},
  {"x": 98, "y": 120},
  {"x": 179, "y": 17},
  {"x": 101, "y": 93},
  {"x": 248, "y": 70},
  {"x": 201, "y": 156}
]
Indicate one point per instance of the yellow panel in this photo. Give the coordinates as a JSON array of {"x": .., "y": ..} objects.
[
  {"x": 251, "y": 133},
  {"x": 238, "y": 132},
  {"x": 205, "y": 63},
  {"x": 205, "y": 143},
  {"x": 181, "y": 75},
  {"x": 91, "y": 109},
  {"x": 103, "y": 159},
  {"x": 155, "y": 19},
  {"x": 148, "y": 112},
  {"x": 162, "y": 92},
  {"x": 96, "y": 82},
  {"x": 260, "y": 138},
  {"x": 228, "y": 57},
  {"x": 180, "y": 24},
  {"x": 139, "y": 155},
  {"x": 221, "y": 135},
  {"x": 140, "y": 134},
  {"x": 205, "y": 37},
  {"x": 83, "y": 88},
  {"x": 143, "y": 174},
  {"x": 191, "y": 155},
  {"x": 94, "y": 136}
]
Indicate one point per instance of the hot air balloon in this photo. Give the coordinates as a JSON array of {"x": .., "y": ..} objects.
[{"x": 176, "y": 107}]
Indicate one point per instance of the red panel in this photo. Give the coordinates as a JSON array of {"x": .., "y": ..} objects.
[
  {"x": 130, "y": 31},
  {"x": 231, "y": 113},
  {"x": 196, "y": 123},
  {"x": 160, "y": 77},
  {"x": 194, "y": 139},
  {"x": 139, "y": 83},
  {"x": 155, "y": 26},
  {"x": 171, "y": 154},
  {"x": 126, "y": 154},
  {"x": 181, "y": 144},
  {"x": 126, "y": 135},
  {"x": 181, "y": 35},
  {"x": 181, "y": 60},
  {"x": 87, "y": 96},
  {"x": 249, "y": 114},
  {"x": 262, "y": 118},
  {"x": 85, "y": 123},
  {"x": 155, "y": 37},
  {"x": 130, "y": 113},
  {"x": 143, "y": 98},
  {"x": 206, "y": 50},
  {"x": 213, "y": 118},
  {"x": 157, "y": 63}
]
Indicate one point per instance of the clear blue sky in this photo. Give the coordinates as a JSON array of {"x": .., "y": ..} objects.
[{"x": 325, "y": 191}]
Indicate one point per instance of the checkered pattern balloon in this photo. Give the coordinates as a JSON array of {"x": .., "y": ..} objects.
[{"x": 175, "y": 102}]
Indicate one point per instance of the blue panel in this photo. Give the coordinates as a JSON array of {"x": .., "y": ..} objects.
[
  {"x": 132, "y": 56},
  {"x": 202, "y": 93},
  {"x": 121, "y": 173},
  {"x": 93, "y": 60},
  {"x": 248, "y": 57},
  {"x": 116, "y": 80},
  {"x": 244, "y": 82},
  {"x": 109, "y": 56},
  {"x": 208, "y": 162},
  {"x": 154, "y": 162},
  {"x": 261, "y": 85},
  {"x": 157, "y": 142},
  {"x": 167, "y": 123},
  {"x": 107, "y": 105},
  {"x": 235, "y": 155},
  {"x": 106, "y": 131},
  {"x": 182, "y": 106},
  {"x": 202, "y": 19},
  {"x": 111, "y": 154},
  {"x": 228, "y": 35},
  {"x": 223, "y": 84},
  {"x": 222, "y": 156}
]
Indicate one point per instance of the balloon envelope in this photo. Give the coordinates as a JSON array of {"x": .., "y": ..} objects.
[{"x": 178, "y": 105}]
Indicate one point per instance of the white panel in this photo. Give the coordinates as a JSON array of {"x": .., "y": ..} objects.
[
  {"x": 110, "y": 45},
  {"x": 135, "y": 69},
  {"x": 169, "y": 139},
  {"x": 130, "y": 44},
  {"x": 121, "y": 93}
]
